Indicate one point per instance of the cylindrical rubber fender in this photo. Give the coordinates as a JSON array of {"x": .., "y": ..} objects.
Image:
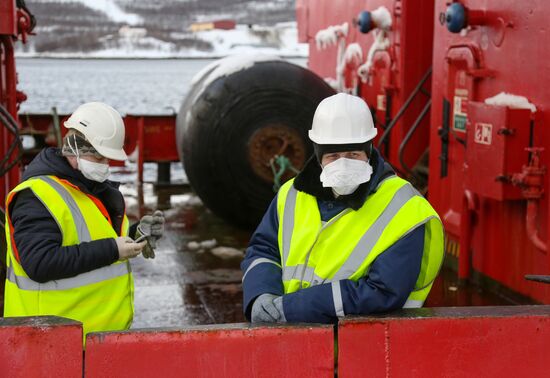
[{"x": 235, "y": 122}]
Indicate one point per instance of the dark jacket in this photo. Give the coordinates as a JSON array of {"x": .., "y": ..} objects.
[
  {"x": 390, "y": 279},
  {"x": 38, "y": 237}
]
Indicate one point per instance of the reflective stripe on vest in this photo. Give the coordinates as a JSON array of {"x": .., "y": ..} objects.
[
  {"x": 290, "y": 208},
  {"x": 80, "y": 223},
  {"x": 83, "y": 279},
  {"x": 260, "y": 260}
]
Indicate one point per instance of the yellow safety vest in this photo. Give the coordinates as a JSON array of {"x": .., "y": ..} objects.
[
  {"x": 101, "y": 299},
  {"x": 313, "y": 253}
]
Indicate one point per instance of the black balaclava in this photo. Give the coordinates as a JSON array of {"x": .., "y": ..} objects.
[{"x": 321, "y": 149}]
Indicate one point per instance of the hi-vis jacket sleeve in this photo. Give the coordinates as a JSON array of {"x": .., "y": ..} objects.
[
  {"x": 391, "y": 279},
  {"x": 262, "y": 263}
]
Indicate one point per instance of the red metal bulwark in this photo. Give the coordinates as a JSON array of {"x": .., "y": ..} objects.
[
  {"x": 44, "y": 346},
  {"x": 395, "y": 72},
  {"x": 468, "y": 342},
  {"x": 502, "y": 55},
  {"x": 232, "y": 350}
]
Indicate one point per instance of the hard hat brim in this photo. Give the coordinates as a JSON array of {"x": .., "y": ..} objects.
[
  {"x": 330, "y": 140},
  {"x": 111, "y": 153}
]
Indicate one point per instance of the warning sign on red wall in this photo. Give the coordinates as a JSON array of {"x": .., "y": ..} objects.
[
  {"x": 460, "y": 105},
  {"x": 483, "y": 133}
]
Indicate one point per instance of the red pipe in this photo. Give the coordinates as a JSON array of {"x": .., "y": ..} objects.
[
  {"x": 531, "y": 224},
  {"x": 466, "y": 221},
  {"x": 141, "y": 148}
]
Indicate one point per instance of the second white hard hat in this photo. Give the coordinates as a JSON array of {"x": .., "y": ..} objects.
[
  {"x": 342, "y": 119},
  {"x": 103, "y": 128}
]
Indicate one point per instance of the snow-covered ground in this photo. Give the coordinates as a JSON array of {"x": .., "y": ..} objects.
[{"x": 112, "y": 11}]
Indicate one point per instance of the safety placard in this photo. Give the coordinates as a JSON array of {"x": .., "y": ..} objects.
[
  {"x": 483, "y": 133},
  {"x": 460, "y": 114}
]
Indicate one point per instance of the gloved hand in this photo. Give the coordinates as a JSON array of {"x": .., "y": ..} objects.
[
  {"x": 127, "y": 248},
  {"x": 278, "y": 303},
  {"x": 264, "y": 311},
  {"x": 151, "y": 226}
]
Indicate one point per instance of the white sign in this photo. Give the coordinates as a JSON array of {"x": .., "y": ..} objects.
[{"x": 483, "y": 133}]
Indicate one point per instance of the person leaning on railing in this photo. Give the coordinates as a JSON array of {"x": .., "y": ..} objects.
[
  {"x": 346, "y": 236},
  {"x": 69, "y": 239}
]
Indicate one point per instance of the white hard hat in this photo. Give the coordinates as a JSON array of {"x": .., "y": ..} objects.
[
  {"x": 342, "y": 119},
  {"x": 102, "y": 126}
]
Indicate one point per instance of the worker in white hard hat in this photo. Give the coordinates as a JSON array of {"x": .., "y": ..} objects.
[
  {"x": 346, "y": 236},
  {"x": 69, "y": 241}
]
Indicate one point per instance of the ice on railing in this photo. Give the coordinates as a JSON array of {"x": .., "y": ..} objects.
[
  {"x": 381, "y": 43},
  {"x": 353, "y": 54},
  {"x": 329, "y": 36},
  {"x": 382, "y": 18},
  {"x": 511, "y": 101}
]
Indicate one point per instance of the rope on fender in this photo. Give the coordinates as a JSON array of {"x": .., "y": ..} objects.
[{"x": 284, "y": 164}]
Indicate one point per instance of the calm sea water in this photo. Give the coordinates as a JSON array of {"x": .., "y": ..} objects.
[{"x": 135, "y": 86}]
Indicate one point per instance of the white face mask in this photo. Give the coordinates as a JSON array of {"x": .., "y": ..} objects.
[
  {"x": 345, "y": 175},
  {"x": 91, "y": 170}
]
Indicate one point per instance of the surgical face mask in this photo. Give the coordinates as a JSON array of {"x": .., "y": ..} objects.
[
  {"x": 345, "y": 175},
  {"x": 91, "y": 170}
]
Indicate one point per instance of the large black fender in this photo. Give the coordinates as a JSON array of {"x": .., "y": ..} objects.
[{"x": 236, "y": 119}]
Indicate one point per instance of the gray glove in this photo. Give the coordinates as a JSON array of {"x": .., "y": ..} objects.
[
  {"x": 152, "y": 227},
  {"x": 278, "y": 302},
  {"x": 264, "y": 311}
]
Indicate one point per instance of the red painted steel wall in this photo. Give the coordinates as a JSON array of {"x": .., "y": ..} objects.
[
  {"x": 504, "y": 55},
  {"x": 396, "y": 72},
  {"x": 447, "y": 342},
  {"x": 237, "y": 350},
  {"x": 44, "y": 346}
]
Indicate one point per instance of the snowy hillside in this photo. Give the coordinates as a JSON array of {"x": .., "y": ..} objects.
[{"x": 160, "y": 28}]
